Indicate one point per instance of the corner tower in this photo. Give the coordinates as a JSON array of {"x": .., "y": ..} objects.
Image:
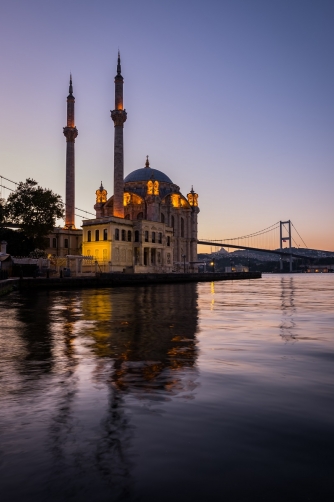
[
  {"x": 70, "y": 133},
  {"x": 118, "y": 115}
]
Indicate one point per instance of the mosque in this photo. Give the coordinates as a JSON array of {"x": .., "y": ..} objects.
[{"x": 147, "y": 225}]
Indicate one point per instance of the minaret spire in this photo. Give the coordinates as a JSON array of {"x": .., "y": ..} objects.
[
  {"x": 70, "y": 89},
  {"x": 118, "y": 115},
  {"x": 70, "y": 132},
  {"x": 119, "y": 63}
]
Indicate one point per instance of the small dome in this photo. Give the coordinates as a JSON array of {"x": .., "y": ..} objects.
[{"x": 145, "y": 174}]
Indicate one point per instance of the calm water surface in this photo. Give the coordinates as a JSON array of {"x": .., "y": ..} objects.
[{"x": 210, "y": 392}]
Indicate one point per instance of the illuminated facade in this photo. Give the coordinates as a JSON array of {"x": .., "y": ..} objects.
[{"x": 147, "y": 225}]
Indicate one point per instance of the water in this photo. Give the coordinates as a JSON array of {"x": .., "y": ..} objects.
[{"x": 210, "y": 392}]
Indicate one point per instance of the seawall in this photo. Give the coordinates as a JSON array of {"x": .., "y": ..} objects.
[{"x": 121, "y": 279}]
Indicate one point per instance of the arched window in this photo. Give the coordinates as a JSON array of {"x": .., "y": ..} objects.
[
  {"x": 168, "y": 240},
  {"x": 123, "y": 235},
  {"x": 136, "y": 235},
  {"x": 140, "y": 216},
  {"x": 97, "y": 235},
  {"x": 116, "y": 234},
  {"x": 182, "y": 227},
  {"x": 150, "y": 187},
  {"x": 129, "y": 235},
  {"x": 105, "y": 234},
  {"x": 162, "y": 218},
  {"x": 89, "y": 236}
]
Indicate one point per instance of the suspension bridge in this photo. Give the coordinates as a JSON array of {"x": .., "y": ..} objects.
[{"x": 271, "y": 240}]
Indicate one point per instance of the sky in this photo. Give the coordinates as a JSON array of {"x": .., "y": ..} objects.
[{"x": 234, "y": 97}]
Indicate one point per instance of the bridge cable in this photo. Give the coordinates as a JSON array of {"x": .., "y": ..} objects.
[
  {"x": 255, "y": 234},
  {"x": 299, "y": 235}
]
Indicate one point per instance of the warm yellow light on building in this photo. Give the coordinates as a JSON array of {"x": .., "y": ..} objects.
[
  {"x": 156, "y": 188},
  {"x": 126, "y": 198},
  {"x": 101, "y": 195},
  {"x": 150, "y": 187},
  {"x": 175, "y": 200},
  {"x": 193, "y": 198}
]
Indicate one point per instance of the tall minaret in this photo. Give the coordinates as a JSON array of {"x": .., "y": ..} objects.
[
  {"x": 70, "y": 132},
  {"x": 119, "y": 117}
]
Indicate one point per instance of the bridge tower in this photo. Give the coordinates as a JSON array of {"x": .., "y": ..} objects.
[
  {"x": 70, "y": 132},
  {"x": 284, "y": 238},
  {"x": 119, "y": 117}
]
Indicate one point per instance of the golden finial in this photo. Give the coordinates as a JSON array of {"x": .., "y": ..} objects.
[{"x": 147, "y": 163}]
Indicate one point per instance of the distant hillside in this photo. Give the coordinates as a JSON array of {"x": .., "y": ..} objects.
[{"x": 262, "y": 256}]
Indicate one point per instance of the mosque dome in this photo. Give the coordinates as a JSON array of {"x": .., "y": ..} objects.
[{"x": 146, "y": 173}]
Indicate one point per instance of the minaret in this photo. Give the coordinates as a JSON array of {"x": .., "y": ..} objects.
[
  {"x": 119, "y": 117},
  {"x": 70, "y": 132}
]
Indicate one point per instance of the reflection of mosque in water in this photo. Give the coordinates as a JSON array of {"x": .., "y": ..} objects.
[
  {"x": 138, "y": 341},
  {"x": 287, "y": 326},
  {"x": 148, "y": 332}
]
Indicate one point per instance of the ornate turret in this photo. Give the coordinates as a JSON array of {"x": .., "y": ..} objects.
[
  {"x": 101, "y": 198},
  {"x": 70, "y": 132},
  {"x": 192, "y": 198},
  {"x": 101, "y": 194},
  {"x": 118, "y": 115}
]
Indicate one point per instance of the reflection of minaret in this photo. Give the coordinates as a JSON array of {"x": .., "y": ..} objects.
[
  {"x": 70, "y": 132},
  {"x": 119, "y": 117}
]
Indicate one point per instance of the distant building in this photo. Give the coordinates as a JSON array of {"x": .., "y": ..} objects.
[
  {"x": 320, "y": 268},
  {"x": 64, "y": 241},
  {"x": 237, "y": 268}
]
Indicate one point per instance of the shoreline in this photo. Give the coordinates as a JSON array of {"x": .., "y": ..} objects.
[{"x": 119, "y": 280}]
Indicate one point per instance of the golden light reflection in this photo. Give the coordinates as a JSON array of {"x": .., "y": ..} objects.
[
  {"x": 133, "y": 330},
  {"x": 212, "y": 287}
]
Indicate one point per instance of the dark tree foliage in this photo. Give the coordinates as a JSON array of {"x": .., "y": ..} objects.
[
  {"x": 2, "y": 212},
  {"x": 18, "y": 244},
  {"x": 35, "y": 209}
]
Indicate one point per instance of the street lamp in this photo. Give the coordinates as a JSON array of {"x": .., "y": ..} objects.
[
  {"x": 184, "y": 263},
  {"x": 213, "y": 265}
]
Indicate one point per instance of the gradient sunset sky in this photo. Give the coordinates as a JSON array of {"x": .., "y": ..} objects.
[{"x": 234, "y": 97}]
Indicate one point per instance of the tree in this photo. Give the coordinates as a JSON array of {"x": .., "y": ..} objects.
[{"x": 35, "y": 209}]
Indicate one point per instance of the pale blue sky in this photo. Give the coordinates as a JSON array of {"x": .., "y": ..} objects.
[{"x": 232, "y": 96}]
